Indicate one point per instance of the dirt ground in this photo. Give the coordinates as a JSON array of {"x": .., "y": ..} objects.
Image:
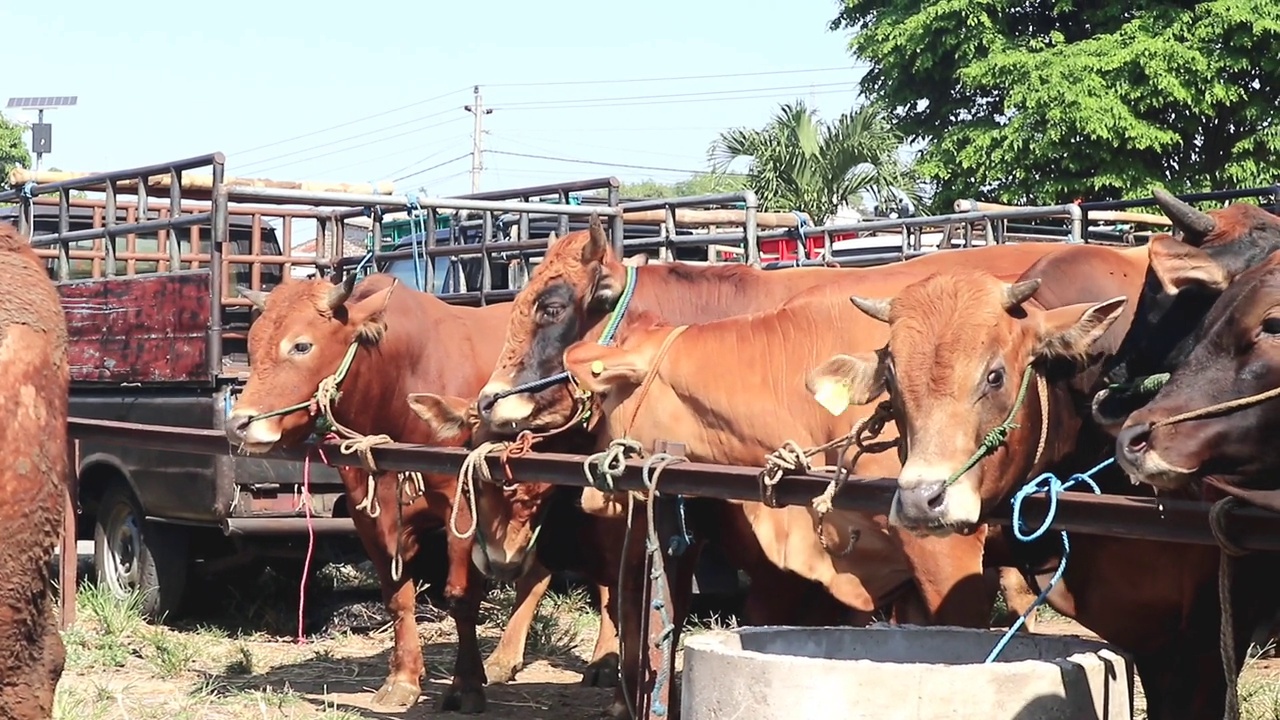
[{"x": 240, "y": 662}]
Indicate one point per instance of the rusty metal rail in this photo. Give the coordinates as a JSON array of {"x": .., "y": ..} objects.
[{"x": 1112, "y": 515}]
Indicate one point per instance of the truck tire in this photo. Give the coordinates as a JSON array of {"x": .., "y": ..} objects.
[{"x": 133, "y": 555}]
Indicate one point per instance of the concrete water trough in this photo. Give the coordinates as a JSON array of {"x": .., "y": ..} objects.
[{"x": 888, "y": 672}]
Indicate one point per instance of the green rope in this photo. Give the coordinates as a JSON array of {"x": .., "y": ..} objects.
[
  {"x": 999, "y": 434},
  {"x": 1140, "y": 387},
  {"x": 620, "y": 309}
]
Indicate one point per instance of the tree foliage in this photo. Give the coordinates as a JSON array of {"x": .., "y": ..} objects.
[
  {"x": 699, "y": 184},
  {"x": 800, "y": 162},
  {"x": 1050, "y": 100},
  {"x": 13, "y": 152}
]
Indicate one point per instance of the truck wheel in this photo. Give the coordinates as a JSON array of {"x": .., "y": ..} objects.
[{"x": 131, "y": 555}]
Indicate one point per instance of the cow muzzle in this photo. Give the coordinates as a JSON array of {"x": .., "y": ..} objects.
[
  {"x": 254, "y": 436},
  {"x": 1143, "y": 464},
  {"x": 505, "y": 413},
  {"x": 925, "y": 503}
]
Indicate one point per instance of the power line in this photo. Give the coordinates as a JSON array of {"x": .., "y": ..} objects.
[
  {"x": 354, "y": 147},
  {"x": 352, "y": 122},
  {"x": 400, "y": 153},
  {"x": 358, "y": 136},
  {"x": 606, "y": 164},
  {"x": 421, "y": 160},
  {"x": 509, "y": 137},
  {"x": 463, "y": 156},
  {"x": 679, "y": 78},
  {"x": 665, "y": 102},
  {"x": 701, "y": 93}
]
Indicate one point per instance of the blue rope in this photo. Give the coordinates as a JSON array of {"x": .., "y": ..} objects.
[
  {"x": 28, "y": 189},
  {"x": 417, "y": 225},
  {"x": 801, "y": 243},
  {"x": 1051, "y": 485}
]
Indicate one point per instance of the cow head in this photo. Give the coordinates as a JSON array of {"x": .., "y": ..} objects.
[
  {"x": 1237, "y": 356},
  {"x": 960, "y": 345},
  {"x": 577, "y": 283},
  {"x": 509, "y": 516},
  {"x": 301, "y": 337},
  {"x": 1184, "y": 278}
]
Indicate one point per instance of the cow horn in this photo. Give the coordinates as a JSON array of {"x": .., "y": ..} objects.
[
  {"x": 338, "y": 294},
  {"x": 878, "y": 309},
  {"x": 1018, "y": 293},
  {"x": 257, "y": 297},
  {"x": 1193, "y": 223}
]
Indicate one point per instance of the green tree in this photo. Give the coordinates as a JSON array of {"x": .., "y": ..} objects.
[
  {"x": 699, "y": 184},
  {"x": 800, "y": 162},
  {"x": 13, "y": 152},
  {"x": 1037, "y": 101}
]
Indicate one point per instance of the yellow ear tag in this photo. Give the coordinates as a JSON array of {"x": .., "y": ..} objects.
[
  {"x": 834, "y": 396},
  {"x": 597, "y": 367}
]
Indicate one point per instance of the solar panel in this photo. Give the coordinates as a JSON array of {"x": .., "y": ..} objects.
[{"x": 43, "y": 102}]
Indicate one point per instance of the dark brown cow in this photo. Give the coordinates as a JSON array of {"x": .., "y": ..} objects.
[
  {"x": 33, "y": 401},
  {"x": 962, "y": 347},
  {"x": 404, "y": 341},
  {"x": 1178, "y": 438}
]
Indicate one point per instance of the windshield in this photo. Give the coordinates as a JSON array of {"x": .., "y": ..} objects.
[{"x": 414, "y": 274}]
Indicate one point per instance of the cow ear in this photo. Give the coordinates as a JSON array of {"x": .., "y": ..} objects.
[
  {"x": 1071, "y": 330},
  {"x": 610, "y": 277},
  {"x": 636, "y": 260},
  {"x": 846, "y": 380},
  {"x": 1178, "y": 265},
  {"x": 367, "y": 315},
  {"x": 601, "y": 368},
  {"x": 446, "y": 415}
]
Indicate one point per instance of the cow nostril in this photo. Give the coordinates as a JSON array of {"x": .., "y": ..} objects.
[
  {"x": 239, "y": 424},
  {"x": 485, "y": 403},
  {"x": 1136, "y": 438},
  {"x": 935, "y": 496}
]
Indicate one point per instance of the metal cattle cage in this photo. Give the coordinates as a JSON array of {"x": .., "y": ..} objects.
[{"x": 516, "y": 214}]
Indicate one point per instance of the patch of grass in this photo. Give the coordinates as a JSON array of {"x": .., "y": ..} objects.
[
  {"x": 101, "y": 638},
  {"x": 561, "y": 623},
  {"x": 170, "y": 653},
  {"x": 242, "y": 663}
]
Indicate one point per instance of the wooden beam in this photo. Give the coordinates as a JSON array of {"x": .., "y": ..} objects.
[
  {"x": 1118, "y": 216},
  {"x": 21, "y": 176},
  {"x": 699, "y": 218}
]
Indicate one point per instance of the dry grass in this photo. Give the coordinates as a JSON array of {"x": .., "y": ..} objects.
[{"x": 120, "y": 667}]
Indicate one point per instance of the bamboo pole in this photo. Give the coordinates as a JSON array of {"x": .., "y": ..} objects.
[{"x": 21, "y": 176}]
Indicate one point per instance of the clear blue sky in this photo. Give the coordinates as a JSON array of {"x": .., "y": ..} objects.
[{"x": 159, "y": 81}]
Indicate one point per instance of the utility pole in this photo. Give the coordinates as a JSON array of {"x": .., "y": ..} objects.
[{"x": 479, "y": 110}]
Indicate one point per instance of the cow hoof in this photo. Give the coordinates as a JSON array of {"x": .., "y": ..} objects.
[
  {"x": 469, "y": 702},
  {"x": 502, "y": 670},
  {"x": 602, "y": 673},
  {"x": 397, "y": 694}
]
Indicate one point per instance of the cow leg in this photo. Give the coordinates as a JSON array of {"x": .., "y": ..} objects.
[
  {"x": 948, "y": 571},
  {"x": 465, "y": 590},
  {"x": 602, "y": 671},
  {"x": 403, "y": 683},
  {"x": 508, "y": 658},
  {"x": 1018, "y": 596}
]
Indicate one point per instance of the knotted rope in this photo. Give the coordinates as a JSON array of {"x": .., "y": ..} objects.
[
  {"x": 1228, "y": 550},
  {"x": 997, "y": 436}
]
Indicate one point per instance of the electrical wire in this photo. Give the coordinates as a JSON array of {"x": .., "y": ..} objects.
[
  {"x": 605, "y": 164},
  {"x": 352, "y": 122},
  {"x": 663, "y": 102},
  {"x": 611, "y": 81},
  {"x": 353, "y": 147},
  {"x": 433, "y": 167},
  {"x": 701, "y": 93},
  {"x": 359, "y": 136}
]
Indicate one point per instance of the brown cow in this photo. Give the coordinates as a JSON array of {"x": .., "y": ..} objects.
[
  {"x": 403, "y": 341},
  {"x": 963, "y": 349},
  {"x": 33, "y": 364}
]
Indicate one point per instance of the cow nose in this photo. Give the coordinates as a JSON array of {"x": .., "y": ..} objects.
[
  {"x": 236, "y": 426},
  {"x": 485, "y": 403},
  {"x": 923, "y": 502},
  {"x": 1132, "y": 441}
]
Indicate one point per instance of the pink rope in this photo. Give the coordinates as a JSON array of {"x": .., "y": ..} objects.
[{"x": 311, "y": 537}]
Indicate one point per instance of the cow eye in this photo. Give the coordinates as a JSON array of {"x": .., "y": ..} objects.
[
  {"x": 552, "y": 311},
  {"x": 995, "y": 379},
  {"x": 1271, "y": 325},
  {"x": 301, "y": 348}
]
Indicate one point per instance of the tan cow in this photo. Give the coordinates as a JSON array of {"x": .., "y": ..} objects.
[{"x": 33, "y": 402}]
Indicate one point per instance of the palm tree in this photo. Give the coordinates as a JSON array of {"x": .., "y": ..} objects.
[{"x": 799, "y": 162}]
